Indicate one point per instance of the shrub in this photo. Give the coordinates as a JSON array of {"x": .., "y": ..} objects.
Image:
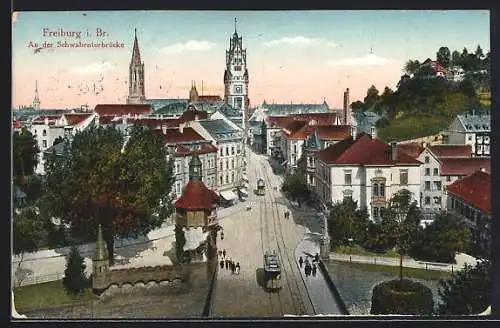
[
  {"x": 74, "y": 280},
  {"x": 414, "y": 298}
]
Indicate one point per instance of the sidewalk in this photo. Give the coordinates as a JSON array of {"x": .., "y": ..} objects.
[{"x": 460, "y": 258}]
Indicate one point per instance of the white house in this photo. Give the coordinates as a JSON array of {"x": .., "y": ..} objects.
[
  {"x": 470, "y": 129},
  {"x": 366, "y": 169}
]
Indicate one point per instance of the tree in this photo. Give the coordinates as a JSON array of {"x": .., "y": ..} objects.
[
  {"x": 123, "y": 183},
  {"x": 425, "y": 71},
  {"x": 442, "y": 239},
  {"x": 58, "y": 141},
  {"x": 443, "y": 57},
  {"x": 295, "y": 185},
  {"x": 358, "y": 107},
  {"x": 346, "y": 221},
  {"x": 25, "y": 153},
  {"x": 27, "y": 235},
  {"x": 479, "y": 52},
  {"x": 372, "y": 97},
  {"x": 74, "y": 280},
  {"x": 401, "y": 220},
  {"x": 468, "y": 292},
  {"x": 412, "y": 66},
  {"x": 455, "y": 58}
]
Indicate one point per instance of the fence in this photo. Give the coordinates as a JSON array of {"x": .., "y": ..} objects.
[
  {"x": 407, "y": 263},
  {"x": 31, "y": 279}
]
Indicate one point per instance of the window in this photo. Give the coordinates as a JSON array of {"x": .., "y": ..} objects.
[
  {"x": 486, "y": 149},
  {"x": 178, "y": 187},
  {"x": 238, "y": 149},
  {"x": 448, "y": 178},
  {"x": 177, "y": 168},
  {"x": 295, "y": 148},
  {"x": 427, "y": 171},
  {"x": 221, "y": 182},
  {"x": 221, "y": 152},
  {"x": 403, "y": 177},
  {"x": 227, "y": 165},
  {"x": 427, "y": 185},
  {"x": 232, "y": 177},
  {"x": 437, "y": 185},
  {"x": 375, "y": 212},
  {"x": 437, "y": 200},
  {"x": 232, "y": 163},
  {"x": 227, "y": 151},
  {"x": 436, "y": 171},
  {"x": 347, "y": 178},
  {"x": 486, "y": 139},
  {"x": 469, "y": 138},
  {"x": 44, "y": 133},
  {"x": 426, "y": 159},
  {"x": 375, "y": 189},
  {"x": 232, "y": 150},
  {"x": 427, "y": 200},
  {"x": 220, "y": 165},
  {"x": 227, "y": 178},
  {"x": 44, "y": 143},
  {"x": 382, "y": 190}
]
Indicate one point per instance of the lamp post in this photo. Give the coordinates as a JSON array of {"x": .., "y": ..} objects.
[{"x": 350, "y": 240}]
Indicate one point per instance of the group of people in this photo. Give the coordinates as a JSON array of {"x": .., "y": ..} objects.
[
  {"x": 287, "y": 214},
  {"x": 226, "y": 262},
  {"x": 309, "y": 268}
]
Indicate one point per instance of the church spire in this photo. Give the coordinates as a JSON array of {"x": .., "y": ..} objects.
[
  {"x": 136, "y": 94},
  {"x": 136, "y": 55},
  {"x": 36, "y": 100},
  {"x": 235, "y": 21},
  {"x": 100, "y": 246}
]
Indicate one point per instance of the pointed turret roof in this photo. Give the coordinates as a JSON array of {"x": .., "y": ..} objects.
[
  {"x": 136, "y": 55},
  {"x": 100, "y": 246}
]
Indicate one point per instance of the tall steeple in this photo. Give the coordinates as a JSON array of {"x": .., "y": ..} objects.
[
  {"x": 136, "y": 94},
  {"x": 100, "y": 246},
  {"x": 193, "y": 93},
  {"x": 36, "y": 101}
]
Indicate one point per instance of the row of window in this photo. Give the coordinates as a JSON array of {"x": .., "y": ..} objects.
[
  {"x": 377, "y": 211},
  {"x": 210, "y": 165},
  {"x": 227, "y": 164},
  {"x": 221, "y": 150},
  {"x": 403, "y": 177},
  {"x": 428, "y": 171},
  {"x": 437, "y": 185},
  {"x": 378, "y": 189},
  {"x": 483, "y": 149},
  {"x": 437, "y": 200}
]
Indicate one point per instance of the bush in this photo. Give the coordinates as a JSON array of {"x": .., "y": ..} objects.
[
  {"x": 74, "y": 280},
  {"x": 414, "y": 298}
]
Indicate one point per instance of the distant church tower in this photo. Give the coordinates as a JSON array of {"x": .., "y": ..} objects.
[
  {"x": 236, "y": 75},
  {"x": 36, "y": 101},
  {"x": 193, "y": 93},
  {"x": 136, "y": 94}
]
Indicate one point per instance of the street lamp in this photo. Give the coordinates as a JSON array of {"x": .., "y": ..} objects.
[{"x": 350, "y": 240}]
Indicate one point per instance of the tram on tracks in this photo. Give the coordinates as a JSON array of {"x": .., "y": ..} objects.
[
  {"x": 272, "y": 271},
  {"x": 261, "y": 187}
]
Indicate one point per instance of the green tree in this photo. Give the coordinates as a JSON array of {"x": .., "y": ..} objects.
[
  {"x": 358, "y": 106},
  {"x": 27, "y": 231},
  {"x": 455, "y": 58},
  {"x": 412, "y": 66},
  {"x": 468, "y": 292},
  {"x": 295, "y": 185},
  {"x": 442, "y": 239},
  {"x": 372, "y": 97},
  {"x": 25, "y": 153},
  {"x": 180, "y": 241},
  {"x": 58, "y": 141},
  {"x": 464, "y": 54},
  {"x": 401, "y": 220},
  {"x": 75, "y": 280},
  {"x": 103, "y": 177},
  {"x": 346, "y": 221},
  {"x": 443, "y": 56},
  {"x": 425, "y": 71},
  {"x": 479, "y": 52}
]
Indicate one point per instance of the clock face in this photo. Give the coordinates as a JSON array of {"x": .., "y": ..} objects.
[{"x": 238, "y": 89}]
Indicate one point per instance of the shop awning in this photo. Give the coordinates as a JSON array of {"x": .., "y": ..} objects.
[{"x": 228, "y": 195}]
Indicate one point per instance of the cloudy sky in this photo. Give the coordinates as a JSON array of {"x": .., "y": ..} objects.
[{"x": 293, "y": 56}]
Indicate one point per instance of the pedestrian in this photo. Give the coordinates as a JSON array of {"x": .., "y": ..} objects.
[
  {"x": 222, "y": 235},
  {"x": 219, "y": 252},
  {"x": 314, "y": 270},
  {"x": 233, "y": 267},
  {"x": 227, "y": 264},
  {"x": 301, "y": 261},
  {"x": 224, "y": 253},
  {"x": 316, "y": 257},
  {"x": 222, "y": 264}
]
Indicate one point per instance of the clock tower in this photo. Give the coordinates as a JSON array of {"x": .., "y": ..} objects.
[
  {"x": 195, "y": 167},
  {"x": 236, "y": 75}
]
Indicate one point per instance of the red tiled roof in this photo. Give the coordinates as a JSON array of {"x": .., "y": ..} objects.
[
  {"x": 104, "y": 120},
  {"x": 320, "y": 118},
  {"x": 413, "y": 149},
  {"x": 333, "y": 132},
  {"x": 197, "y": 196},
  {"x": 204, "y": 149},
  {"x": 122, "y": 109},
  {"x": 464, "y": 166},
  {"x": 278, "y": 121},
  {"x": 293, "y": 126},
  {"x": 190, "y": 115},
  {"x": 451, "y": 150},
  {"x": 154, "y": 122},
  {"x": 41, "y": 118},
  {"x": 209, "y": 98},
  {"x": 174, "y": 135},
  {"x": 74, "y": 119},
  {"x": 474, "y": 189},
  {"x": 363, "y": 151}
]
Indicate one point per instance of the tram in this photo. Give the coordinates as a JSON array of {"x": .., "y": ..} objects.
[
  {"x": 272, "y": 271},
  {"x": 261, "y": 187}
]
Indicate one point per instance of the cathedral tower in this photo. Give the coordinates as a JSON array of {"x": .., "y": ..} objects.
[
  {"x": 36, "y": 101},
  {"x": 136, "y": 94},
  {"x": 236, "y": 75}
]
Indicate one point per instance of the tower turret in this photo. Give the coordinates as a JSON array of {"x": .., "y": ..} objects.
[
  {"x": 100, "y": 263},
  {"x": 193, "y": 93},
  {"x": 195, "y": 168}
]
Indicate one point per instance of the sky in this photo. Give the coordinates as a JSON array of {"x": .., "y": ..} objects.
[{"x": 292, "y": 56}]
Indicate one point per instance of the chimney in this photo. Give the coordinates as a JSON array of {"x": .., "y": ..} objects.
[
  {"x": 353, "y": 132},
  {"x": 181, "y": 127},
  {"x": 394, "y": 151},
  {"x": 373, "y": 132},
  {"x": 346, "y": 104},
  {"x": 163, "y": 128}
]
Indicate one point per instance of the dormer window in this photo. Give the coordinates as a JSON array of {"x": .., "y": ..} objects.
[{"x": 44, "y": 133}]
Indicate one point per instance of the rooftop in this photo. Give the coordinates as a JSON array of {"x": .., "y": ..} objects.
[
  {"x": 451, "y": 150},
  {"x": 220, "y": 129},
  {"x": 475, "y": 189},
  {"x": 475, "y": 122},
  {"x": 363, "y": 151},
  {"x": 413, "y": 149},
  {"x": 174, "y": 135},
  {"x": 464, "y": 166},
  {"x": 122, "y": 109},
  {"x": 196, "y": 196}
]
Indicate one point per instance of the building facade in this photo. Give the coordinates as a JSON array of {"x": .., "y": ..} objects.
[
  {"x": 470, "y": 129},
  {"x": 367, "y": 170}
]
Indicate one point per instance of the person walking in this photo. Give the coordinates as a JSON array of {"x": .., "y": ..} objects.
[
  {"x": 316, "y": 258},
  {"x": 224, "y": 253},
  {"x": 222, "y": 264},
  {"x": 227, "y": 264},
  {"x": 301, "y": 261},
  {"x": 314, "y": 270},
  {"x": 237, "y": 267}
]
